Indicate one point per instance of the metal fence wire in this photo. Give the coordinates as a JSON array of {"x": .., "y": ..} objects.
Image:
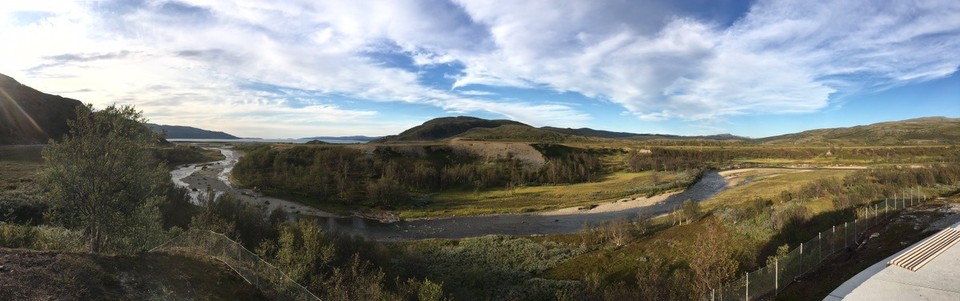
[
  {"x": 266, "y": 277},
  {"x": 767, "y": 281}
]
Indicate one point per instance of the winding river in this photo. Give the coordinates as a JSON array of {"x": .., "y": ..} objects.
[{"x": 215, "y": 177}]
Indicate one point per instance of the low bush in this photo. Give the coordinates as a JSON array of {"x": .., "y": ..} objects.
[{"x": 40, "y": 238}]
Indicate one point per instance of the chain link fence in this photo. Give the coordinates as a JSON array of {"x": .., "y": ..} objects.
[
  {"x": 266, "y": 277},
  {"x": 765, "y": 282}
]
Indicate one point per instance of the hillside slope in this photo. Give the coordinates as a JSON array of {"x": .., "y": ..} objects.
[
  {"x": 588, "y": 132},
  {"x": 188, "y": 132},
  {"x": 445, "y": 127},
  {"x": 48, "y": 275},
  {"x": 28, "y": 116},
  {"x": 514, "y": 132},
  {"x": 928, "y": 130}
]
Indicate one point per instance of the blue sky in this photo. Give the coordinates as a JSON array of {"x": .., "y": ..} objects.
[{"x": 278, "y": 69}]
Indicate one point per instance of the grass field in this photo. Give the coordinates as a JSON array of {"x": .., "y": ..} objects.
[
  {"x": 668, "y": 243},
  {"x": 768, "y": 184},
  {"x": 18, "y": 168},
  {"x": 620, "y": 264},
  {"x": 539, "y": 198}
]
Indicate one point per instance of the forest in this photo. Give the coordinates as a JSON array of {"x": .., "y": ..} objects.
[{"x": 388, "y": 177}]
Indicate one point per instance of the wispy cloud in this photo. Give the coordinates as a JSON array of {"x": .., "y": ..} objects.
[
  {"x": 193, "y": 61},
  {"x": 781, "y": 57}
]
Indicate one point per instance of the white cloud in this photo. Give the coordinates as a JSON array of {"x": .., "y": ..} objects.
[
  {"x": 193, "y": 61},
  {"x": 782, "y": 57},
  {"x": 203, "y": 52}
]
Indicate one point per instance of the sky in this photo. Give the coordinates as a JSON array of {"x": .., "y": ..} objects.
[{"x": 288, "y": 69}]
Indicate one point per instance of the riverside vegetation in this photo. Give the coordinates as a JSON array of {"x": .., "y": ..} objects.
[{"x": 678, "y": 256}]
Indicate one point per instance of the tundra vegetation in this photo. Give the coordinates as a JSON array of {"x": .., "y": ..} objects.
[{"x": 679, "y": 256}]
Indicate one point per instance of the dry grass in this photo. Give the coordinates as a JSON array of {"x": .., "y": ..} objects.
[
  {"x": 768, "y": 184},
  {"x": 539, "y": 198}
]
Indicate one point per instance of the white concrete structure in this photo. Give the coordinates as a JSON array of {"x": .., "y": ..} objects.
[{"x": 939, "y": 279}]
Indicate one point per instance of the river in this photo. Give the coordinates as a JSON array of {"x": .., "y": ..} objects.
[{"x": 215, "y": 177}]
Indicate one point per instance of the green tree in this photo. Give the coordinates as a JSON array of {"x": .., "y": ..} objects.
[
  {"x": 101, "y": 175},
  {"x": 691, "y": 210},
  {"x": 302, "y": 248}
]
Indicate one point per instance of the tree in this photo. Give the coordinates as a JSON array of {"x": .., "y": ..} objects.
[
  {"x": 302, "y": 248},
  {"x": 712, "y": 259},
  {"x": 642, "y": 225},
  {"x": 102, "y": 173},
  {"x": 691, "y": 211}
]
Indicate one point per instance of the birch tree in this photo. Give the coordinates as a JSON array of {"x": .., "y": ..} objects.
[{"x": 102, "y": 173}]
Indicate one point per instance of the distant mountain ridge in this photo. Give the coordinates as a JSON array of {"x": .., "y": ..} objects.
[
  {"x": 188, "y": 132},
  {"x": 588, "y": 132},
  {"x": 342, "y": 138},
  {"x": 28, "y": 116},
  {"x": 926, "y": 130}
]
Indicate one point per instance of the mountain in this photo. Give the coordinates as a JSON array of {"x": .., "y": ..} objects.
[
  {"x": 188, "y": 132},
  {"x": 343, "y": 138},
  {"x": 445, "y": 127},
  {"x": 928, "y": 130},
  {"x": 473, "y": 128},
  {"x": 28, "y": 116},
  {"x": 588, "y": 132},
  {"x": 514, "y": 132}
]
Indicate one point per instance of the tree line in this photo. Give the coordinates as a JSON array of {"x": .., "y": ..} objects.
[{"x": 388, "y": 177}]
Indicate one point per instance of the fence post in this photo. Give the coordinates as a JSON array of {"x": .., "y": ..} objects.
[
  {"x": 746, "y": 287},
  {"x": 801, "y": 261},
  {"x": 844, "y": 235},
  {"x": 776, "y": 276},
  {"x": 819, "y": 247},
  {"x": 833, "y": 240}
]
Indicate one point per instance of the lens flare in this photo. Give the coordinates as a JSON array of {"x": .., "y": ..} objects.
[{"x": 12, "y": 111}]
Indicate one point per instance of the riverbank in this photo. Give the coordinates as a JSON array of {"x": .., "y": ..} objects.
[
  {"x": 214, "y": 177},
  {"x": 201, "y": 178}
]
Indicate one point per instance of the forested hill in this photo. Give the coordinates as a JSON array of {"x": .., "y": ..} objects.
[
  {"x": 473, "y": 128},
  {"x": 446, "y": 127},
  {"x": 929, "y": 130},
  {"x": 187, "y": 132},
  {"x": 28, "y": 116}
]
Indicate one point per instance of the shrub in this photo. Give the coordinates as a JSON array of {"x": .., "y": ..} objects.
[{"x": 40, "y": 237}]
